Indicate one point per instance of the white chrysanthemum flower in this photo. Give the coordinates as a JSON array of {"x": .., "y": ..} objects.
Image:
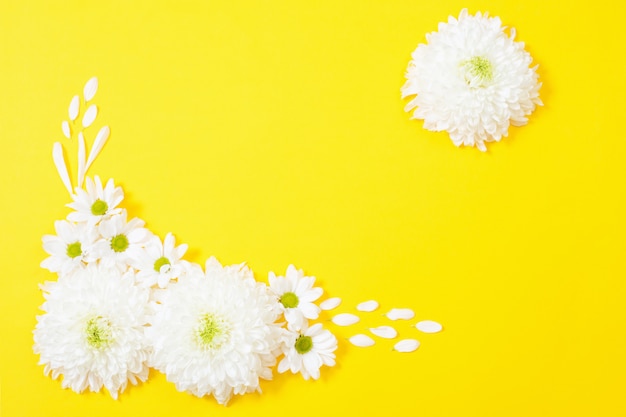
[
  {"x": 215, "y": 334},
  {"x": 160, "y": 262},
  {"x": 96, "y": 203},
  {"x": 306, "y": 351},
  {"x": 92, "y": 332},
  {"x": 121, "y": 242},
  {"x": 70, "y": 249},
  {"x": 472, "y": 80},
  {"x": 296, "y": 294}
]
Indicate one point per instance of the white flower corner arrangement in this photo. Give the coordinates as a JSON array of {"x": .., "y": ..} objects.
[
  {"x": 472, "y": 80},
  {"x": 123, "y": 300}
]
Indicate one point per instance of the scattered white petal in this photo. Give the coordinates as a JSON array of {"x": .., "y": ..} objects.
[
  {"x": 59, "y": 163},
  {"x": 81, "y": 159},
  {"x": 386, "y": 332},
  {"x": 90, "y": 115},
  {"x": 66, "y": 129},
  {"x": 429, "y": 326},
  {"x": 90, "y": 88},
  {"x": 406, "y": 345},
  {"x": 330, "y": 304},
  {"x": 400, "y": 314},
  {"x": 74, "y": 106},
  {"x": 345, "y": 319},
  {"x": 362, "y": 340},
  {"x": 98, "y": 143},
  {"x": 367, "y": 306}
]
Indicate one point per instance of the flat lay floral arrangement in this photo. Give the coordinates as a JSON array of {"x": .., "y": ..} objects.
[{"x": 125, "y": 300}]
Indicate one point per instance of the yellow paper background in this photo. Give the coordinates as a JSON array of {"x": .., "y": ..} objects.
[{"x": 273, "y": 133}]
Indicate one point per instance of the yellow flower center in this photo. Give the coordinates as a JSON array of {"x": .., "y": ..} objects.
[
  {"x": 477, "y": 71},
  {"x": 98, "y": 332}
]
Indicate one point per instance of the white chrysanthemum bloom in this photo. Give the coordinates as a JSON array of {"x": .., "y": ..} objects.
[
  {"x": 215, "y": 334},
  {"x": 472, "y": 80},
  {"x": 296, "y": 294},
  {"x": 96, "y": 203},
  {"x": 70, "y": 249},
  {"x": 121, "y": 244},
  {"x": 92, "y": 332},
  {"x": 160, "y": 262},
  {"x": 307, "y": 350}
]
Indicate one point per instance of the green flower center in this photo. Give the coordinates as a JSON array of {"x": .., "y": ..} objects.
[
  {"x": 74, "y": 250},
  {"x": 289, "y": 300},
  {"x": 158, "y": 264},
  {"x": 119, "y": 243},
  {"x": 99, "y": 207},
  {"x": 477, "y": 71},
  {"x": 98, "y": 333},
  {"x": 211, "y": 331},
  {"x": 304, "y": 344}
]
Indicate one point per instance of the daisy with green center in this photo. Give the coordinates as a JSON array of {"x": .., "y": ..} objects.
[
  {"x": 161, "y": 262},
  {"x": 92, "y": 330},
  {"x": 472, "y": 80},
  {"x": 96, "y": 203},
  {"x": 307, "y": 350},
  {"x": 121, "y": 243},
  {"x": 296, "y": 294},
  {"x": 216, "y": 333},
  {"x": 70, "y": 248}
]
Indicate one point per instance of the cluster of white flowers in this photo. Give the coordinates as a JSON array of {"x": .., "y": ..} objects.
[{"x": 125, "y": 300}]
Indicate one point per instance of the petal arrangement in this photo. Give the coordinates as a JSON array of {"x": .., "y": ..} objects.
[
  {"x": 472, "y": 80},
  {"x": 125, "y": 301}
]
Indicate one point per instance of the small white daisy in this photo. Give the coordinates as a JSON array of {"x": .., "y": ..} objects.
[
  {"x": 70, "y": 249},
  {"x": 160, "y": 262},
  {"x": 96, "y": 203},
  {"x": 296, "y": 294},
  {"x": 472, "y": 80},
  {"x": 92, "y": 332},
  {"x": 121, "y": 242},
  {"x": 215, "y": 334},
  {"x": 307, "y": 350}
]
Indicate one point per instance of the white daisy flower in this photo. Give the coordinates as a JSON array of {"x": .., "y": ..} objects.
[
  {"x": 160, "y": 262},
  {"x": 472, "y": 80},
  {"x": 215, "y": 334},
  {"x": 70, "y": 249},
  {"x": 296, "y": 294},
  {"x": 307, "y": 350},
  {"x": 96, "y": 203},
  {"x": 121, "y": 242},
  {"x": 92, "y": 332}
]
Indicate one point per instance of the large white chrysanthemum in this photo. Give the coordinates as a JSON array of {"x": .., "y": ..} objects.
[
  {"x": 472, "y": 80},
  {"x": 296, "y": 294},
  {"x": 215, "y": 334},
  {"x": 306, "y": 351},
  {"x": 92, "y": 332}
]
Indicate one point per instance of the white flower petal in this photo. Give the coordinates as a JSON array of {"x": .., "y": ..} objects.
[
  {"x": 61, "y": 166},
  {"x": 362, "y": 340},
  {"x": 345, "y": 319},
  {"x": 90, "y": 88},
  {"x": 90, "y": 115},
  {"x": 98, "y": 144},
  {"x": 81, "y": 159},
  {"x": 406, "y": 345},
  {"x": 74, "y": 107},
  {"x": 65, "y": 126},
  {"x": 429, "y": 326},
  {"x": 330, "y": 304},
  {"x": 386, "y": 332},
  {"x": 370, "y": 305},
  {"x": 400, "y": 314}
]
